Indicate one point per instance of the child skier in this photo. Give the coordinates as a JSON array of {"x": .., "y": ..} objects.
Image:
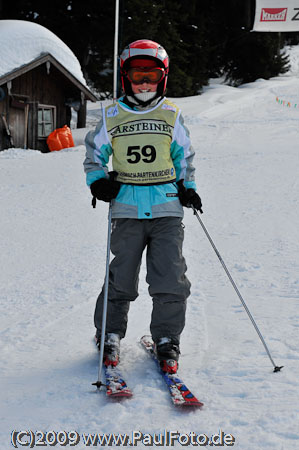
[{"x": 152, "y": 178}]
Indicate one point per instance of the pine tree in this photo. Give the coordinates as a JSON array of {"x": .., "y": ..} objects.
[
  {"x": 253, "y": 56},
  {"x": 246, "y": 55},
  {"x": 154, "y": 21}
]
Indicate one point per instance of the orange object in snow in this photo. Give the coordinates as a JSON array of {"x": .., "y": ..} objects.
[{"x": 60, "y": 138}]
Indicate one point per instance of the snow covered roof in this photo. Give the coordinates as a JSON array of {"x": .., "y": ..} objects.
[{"x": 23, "y": 42}]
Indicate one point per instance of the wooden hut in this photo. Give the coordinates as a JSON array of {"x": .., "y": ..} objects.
[{"x": 36, "y": 98}]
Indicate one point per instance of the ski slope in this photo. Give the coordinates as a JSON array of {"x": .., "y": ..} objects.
[{"x": 53, "y": 263}]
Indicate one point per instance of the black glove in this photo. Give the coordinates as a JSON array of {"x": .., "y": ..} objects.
[
  {"x": 188, "y": 197},
  {"x": 105, "y": 188}
]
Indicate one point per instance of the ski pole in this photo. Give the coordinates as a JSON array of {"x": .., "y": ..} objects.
[
  {"x": 99, "y": 383},
  {"x": 276, "y": 368}
]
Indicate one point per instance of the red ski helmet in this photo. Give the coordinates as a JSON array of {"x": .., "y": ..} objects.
[{"x": 140, "y": 52}]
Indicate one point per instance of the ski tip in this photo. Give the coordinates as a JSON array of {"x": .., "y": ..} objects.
[
  {"x": 125, "y": 393},
  {"x": 186, "y": 405}
]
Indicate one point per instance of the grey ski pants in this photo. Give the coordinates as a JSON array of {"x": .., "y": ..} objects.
[{"x": 168, "y": 285}]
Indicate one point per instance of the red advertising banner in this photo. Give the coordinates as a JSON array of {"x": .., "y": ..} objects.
[{"x": 276, "y": 15}]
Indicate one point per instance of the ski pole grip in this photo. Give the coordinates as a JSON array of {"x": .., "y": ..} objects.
[{"x": 112, "y": 175}]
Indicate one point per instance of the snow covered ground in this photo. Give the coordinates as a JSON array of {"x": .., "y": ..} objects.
[{"x": 53, "y": 261}]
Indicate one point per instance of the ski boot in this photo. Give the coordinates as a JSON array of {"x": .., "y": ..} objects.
[
  {"x": 111, "y": 349},
  {"x": 167, "y": 352}
]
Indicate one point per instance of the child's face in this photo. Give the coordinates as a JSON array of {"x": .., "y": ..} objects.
[{"x": 144, "y": 87}]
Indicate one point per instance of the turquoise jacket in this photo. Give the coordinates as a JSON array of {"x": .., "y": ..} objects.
[{"x": 136, "y": 201}]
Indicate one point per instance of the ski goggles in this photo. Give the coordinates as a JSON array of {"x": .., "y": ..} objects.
[{"x": 151, "y": 75}]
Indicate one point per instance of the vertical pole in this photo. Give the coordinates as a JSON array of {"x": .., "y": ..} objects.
[
  {"x": 26, "y": 125},
  {"x": 115, "y": 50},
  {"x": 278, "y": 43}
]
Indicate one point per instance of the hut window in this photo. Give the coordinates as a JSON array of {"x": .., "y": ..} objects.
[{"x": 46, "y": 120}]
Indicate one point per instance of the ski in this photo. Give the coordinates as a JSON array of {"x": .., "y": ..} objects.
[
  {"x": 180, "y": 394},
  {"x": 115, "y": 383},
  {"x": 116, "y": 387}
]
